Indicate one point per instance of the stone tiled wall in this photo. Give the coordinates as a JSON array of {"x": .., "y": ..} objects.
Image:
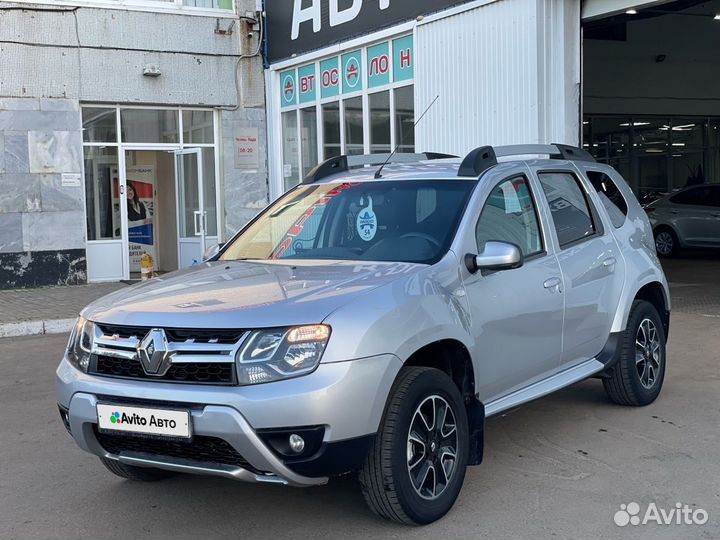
[
  {"x": 40, "y": 139},
  {"x": 246, "y": 191}
]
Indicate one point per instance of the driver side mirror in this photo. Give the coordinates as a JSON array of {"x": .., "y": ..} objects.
[
  {"x": 211, "y": 251},
  {"x": 495, "y": 256}
]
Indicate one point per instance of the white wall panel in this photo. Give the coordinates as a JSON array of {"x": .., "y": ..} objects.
[{"x": 506, "y": 72}]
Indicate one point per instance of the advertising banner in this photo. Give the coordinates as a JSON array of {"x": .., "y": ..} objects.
[{"x": 141, "y": 212}]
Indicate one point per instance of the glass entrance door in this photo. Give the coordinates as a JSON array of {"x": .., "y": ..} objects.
[{"x": 196, "y": 205}]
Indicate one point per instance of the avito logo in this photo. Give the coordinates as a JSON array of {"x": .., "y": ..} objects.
[{"x": 136, "y": 420}]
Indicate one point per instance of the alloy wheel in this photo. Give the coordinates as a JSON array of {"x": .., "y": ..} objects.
[
  {"x": 648, "y": 355},
  {"x": 664, "y": 243},
  {"x": 432, "y": 447}
]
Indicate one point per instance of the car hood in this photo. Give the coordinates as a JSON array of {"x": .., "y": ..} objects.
[{"x": 244, "y": 294}]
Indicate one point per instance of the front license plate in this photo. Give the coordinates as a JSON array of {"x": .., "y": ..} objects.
[{"x": 167, "y": 422}]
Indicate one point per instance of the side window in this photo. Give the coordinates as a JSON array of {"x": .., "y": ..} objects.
[
  {"x": 509, "y": 215},
  {"x": 568, "y": 205},
  {"x": 699, "y": 196},
  {"x": 610, "y": 196}
]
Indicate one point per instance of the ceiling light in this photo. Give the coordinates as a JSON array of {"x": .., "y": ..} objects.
[
  {"x": 626, "y": 124},
  {"x": 717, "y": 17},
  {"x": 631, "y": 12}
]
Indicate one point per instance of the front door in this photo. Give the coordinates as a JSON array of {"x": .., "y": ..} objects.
[
  {"x": 517, "y": 315},
  {"x": 196, "y": 205}
]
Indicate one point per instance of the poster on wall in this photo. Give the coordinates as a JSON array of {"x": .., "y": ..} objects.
[{"x": 141, "y": 213}]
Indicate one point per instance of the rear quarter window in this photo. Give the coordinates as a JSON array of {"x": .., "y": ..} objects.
[{"x": 610, "y": 196}]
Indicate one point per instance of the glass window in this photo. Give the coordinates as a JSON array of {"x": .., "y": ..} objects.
[
  {"x": 354, "y": 126},
  {"x": 331, "y": 129},
  {"x": 99, "y": 125},
  {"x": 149, "y": 125},
  {"x": 568, "y": 206},
  {"x": 408, "y": 220},
  {"x": 404, "y": 119},
  {"x": 509, "y": 215},
  {"x": 197, "y": 127},
  {"x": 291, "y": 150},
  {"x": 208, "y": 4},
  {"x": 308, "y": 138},
  {"x": 610, "y": 196},
  {"x": 699, "y": 196},
  {"x": 379, "y": 104},
  {"x": 102, "y": 194}
]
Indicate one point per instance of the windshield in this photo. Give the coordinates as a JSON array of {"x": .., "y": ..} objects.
[{"x": 404, "y": 221}]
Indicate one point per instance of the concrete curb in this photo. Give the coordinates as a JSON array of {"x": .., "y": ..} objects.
[{"x": 36, "y": 328}]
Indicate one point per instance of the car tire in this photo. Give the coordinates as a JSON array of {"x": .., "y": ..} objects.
[
  {"x": 666, "y": 242},
  {"x": 139, "y": 474},
  {"x": 637, "y": 377},
  {"x": 398, "y": 477}
]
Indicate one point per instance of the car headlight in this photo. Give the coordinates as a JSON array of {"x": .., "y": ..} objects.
[
  {"x": 281, "y": 353},
  {"x": 80, "y": 343}
]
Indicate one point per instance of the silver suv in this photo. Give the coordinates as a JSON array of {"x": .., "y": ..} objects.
[{"x": 370, "y": 320}]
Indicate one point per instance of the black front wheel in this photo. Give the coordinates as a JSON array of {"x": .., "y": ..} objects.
[{"x": 416, "y": 468}]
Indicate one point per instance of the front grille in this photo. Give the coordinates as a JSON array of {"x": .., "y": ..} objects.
[
  {"x": 197, "y": 373},
  {"x": 203, "y": 449},
  {"x": 195, "y": 356}
]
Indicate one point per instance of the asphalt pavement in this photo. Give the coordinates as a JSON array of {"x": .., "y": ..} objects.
[{"x": 559, "y": 467}]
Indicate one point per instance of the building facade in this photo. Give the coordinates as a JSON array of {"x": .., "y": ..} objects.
[
  {"x": 356, "y": 77},
  {"x": 126, "y": 128}
]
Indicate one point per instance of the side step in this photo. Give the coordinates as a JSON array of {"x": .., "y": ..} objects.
[{"x": 545, "y": 387}]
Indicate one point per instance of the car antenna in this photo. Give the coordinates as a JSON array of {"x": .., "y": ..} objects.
[{"x": 378, "y": 173}]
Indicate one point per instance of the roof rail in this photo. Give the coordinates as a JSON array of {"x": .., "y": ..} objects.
[
  {"x": 484, "y": 157},
  {"x": 554, "y": 151},
  {"x": 478, "y": 161},
  {"x": 338, "y": 164}
]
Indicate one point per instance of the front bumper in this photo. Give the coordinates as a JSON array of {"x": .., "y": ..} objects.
[{"x": 346, "y": 398}]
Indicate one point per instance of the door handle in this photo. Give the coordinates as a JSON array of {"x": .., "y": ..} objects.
[
  {"x": 553, "y": 284},
  {"x": 609, "y": 263},
  {"x": 198, "y": 230}
]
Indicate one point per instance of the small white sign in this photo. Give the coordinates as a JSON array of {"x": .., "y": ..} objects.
[
  {"x": 142, "y": 420},
  {"x": 246, "y": 148},
  {"x": 71, "y": 179},
  {"x": 287, "y": 170}
]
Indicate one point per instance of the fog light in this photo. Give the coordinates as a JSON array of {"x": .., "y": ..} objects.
[{"x": 297, "y": 443}]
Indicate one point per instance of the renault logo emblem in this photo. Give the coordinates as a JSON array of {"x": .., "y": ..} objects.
[{"x": 153, "y": 352}]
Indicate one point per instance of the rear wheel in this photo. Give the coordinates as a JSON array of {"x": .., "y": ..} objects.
[
  {"x": 666, "y": 242},
  {"x": 129, "y": 472},
  {"x": 416, "y": 468},
  {"x": 638, "y": 376}
]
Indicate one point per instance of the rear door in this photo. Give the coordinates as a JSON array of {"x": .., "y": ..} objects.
[{"x": 590, "y": 262}]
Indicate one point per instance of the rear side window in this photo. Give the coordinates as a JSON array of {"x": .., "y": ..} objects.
[
  {"x": 699, "y": 196},
  {"x": 568, "y": 205},
  {"x": 610, "y": 196}
]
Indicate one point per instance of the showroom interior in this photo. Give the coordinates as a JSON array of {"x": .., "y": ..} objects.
[{"x": 651, "y": 94}]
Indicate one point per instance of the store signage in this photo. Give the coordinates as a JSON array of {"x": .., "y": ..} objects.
[
  {"x": 297, "y": 26},
  {"x": 71, "y": 180},
  {"x": 247, "y": 155},
  {"x": 288, "y": 88},
  {"x": 330, "y": 77},
  {"x": 307, "y": 83},
  {"x": 378, "y": 62},
  {"x": 403, "y": 59},
  {"x": 352, "y": 72},
  {"x": 390, "y": 61}
]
